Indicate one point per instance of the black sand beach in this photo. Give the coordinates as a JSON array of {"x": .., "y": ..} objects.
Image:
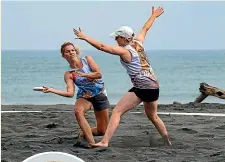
[{"x": 194, "y": 138}]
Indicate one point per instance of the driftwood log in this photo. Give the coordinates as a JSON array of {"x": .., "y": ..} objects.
[{"x": 208, "y": 90}]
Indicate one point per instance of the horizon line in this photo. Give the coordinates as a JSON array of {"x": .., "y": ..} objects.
[{"x": 88, "y": 49}]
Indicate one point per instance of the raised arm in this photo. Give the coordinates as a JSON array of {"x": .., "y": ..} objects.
[
  {"x": 69, "y": 87},
  {"x": 114, "y": 50},
  {"x": 155, "y": 13}
]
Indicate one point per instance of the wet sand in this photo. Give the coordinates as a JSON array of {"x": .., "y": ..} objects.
[{"x": 194, "y": 138}]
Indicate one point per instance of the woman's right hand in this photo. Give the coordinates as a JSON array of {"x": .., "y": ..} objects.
[
  {"x": 46, "y": 89},
  {"x": 79, "y": 34}
]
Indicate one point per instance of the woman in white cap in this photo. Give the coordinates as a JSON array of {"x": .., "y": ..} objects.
[{"x": 145, "y": 85}]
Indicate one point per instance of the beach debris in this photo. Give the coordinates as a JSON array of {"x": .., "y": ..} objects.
[
  {"x": 216, "y": 154},
  {"x": 208, "y": 90},
  {"x": 188, "y": 130},
  {"x": 54, "y": 140},
  {"x": 53, "y": 125},
  {"x": 146, "y": 132},
  {"x": 176, "y": 102},
  {"x": 211, "y": 118},
  {"x": 221, "y": 127}
]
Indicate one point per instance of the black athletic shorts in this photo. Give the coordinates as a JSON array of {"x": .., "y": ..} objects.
[
  {"x": 146, "y": 95},
  {"x": 99, "y": 102}
]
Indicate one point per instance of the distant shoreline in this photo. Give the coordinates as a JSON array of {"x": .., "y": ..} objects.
[
  {"x": 188, "y": 107},
  {"x": 95, "y": 50}
]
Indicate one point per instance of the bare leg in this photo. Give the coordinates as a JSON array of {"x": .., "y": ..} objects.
[
  {"x": 93, "y": 130},
  {"x": 81, "y": 107},
  {"x": 102, "y": 119},
  {"x": 151, "y": 112},
  {"x": 129, "y": 101}
]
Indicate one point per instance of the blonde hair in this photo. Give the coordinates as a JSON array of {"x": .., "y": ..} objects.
[{"x": 67, "y": 44}]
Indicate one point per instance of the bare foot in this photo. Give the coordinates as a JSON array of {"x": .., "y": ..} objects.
[
  {"x": 167, "y": 141},
  {"x": 90, "y": 145},
  {"x": 100, "y": 144},
  {"x": 81, "y": 135}
]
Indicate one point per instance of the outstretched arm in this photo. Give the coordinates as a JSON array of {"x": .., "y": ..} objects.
[
  {"x": 69, "y": 87},
  {"x": 114, "y": 50},
  {"x": 155, "y": 13}
]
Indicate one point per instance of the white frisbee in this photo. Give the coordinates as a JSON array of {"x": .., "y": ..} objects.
[
  {"x": 53, "y": 157},
  {"x": 38, "y": 88}
]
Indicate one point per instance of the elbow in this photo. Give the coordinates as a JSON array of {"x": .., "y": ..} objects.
[
  {"x": 101, "y": 47},
  {"x": 145, "y": 28},
  {"x": 70, "y": 95},
  {"x": 106, "y": 49}
]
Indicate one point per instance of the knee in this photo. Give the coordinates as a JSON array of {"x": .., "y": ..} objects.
[
  {"x": 116, "y": 113},
  {"x": 78, "y": 112},
  {"x": 153, "y": 117}
]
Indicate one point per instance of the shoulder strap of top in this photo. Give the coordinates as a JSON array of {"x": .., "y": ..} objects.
[
  {"x": 84, "y": 60},
  {"x": 140, "y": 43},
  {"x": 138, "y": 46}
]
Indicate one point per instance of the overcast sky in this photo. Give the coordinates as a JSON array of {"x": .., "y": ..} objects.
[{"x": 46, "y": 25}]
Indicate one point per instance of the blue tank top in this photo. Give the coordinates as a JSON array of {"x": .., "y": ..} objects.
[{"x": 87, "y": 88}]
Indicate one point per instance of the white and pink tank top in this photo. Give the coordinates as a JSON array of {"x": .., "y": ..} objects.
[{"x": 139, "y": 69}]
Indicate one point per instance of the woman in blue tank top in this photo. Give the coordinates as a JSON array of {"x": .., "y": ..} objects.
[
  {"x": 86, "y": 75},
  {"x": 145, "y": 85}
]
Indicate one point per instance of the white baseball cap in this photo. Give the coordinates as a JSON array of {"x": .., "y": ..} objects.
[{"x": 123, "y": 31}]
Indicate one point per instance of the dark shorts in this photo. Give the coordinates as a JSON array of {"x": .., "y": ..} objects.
[
  {"x": 146, "y": 95},
  {"x": 99, "y": 102}
]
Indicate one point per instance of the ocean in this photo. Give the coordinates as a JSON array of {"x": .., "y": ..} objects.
[{"x": 179, "y": 73}]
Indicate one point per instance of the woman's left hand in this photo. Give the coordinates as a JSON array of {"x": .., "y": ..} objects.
[
  {"x": 79, "y": 34},
  {"x": 156, "y": 13},
  {"x": 81, "y": 74}
]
